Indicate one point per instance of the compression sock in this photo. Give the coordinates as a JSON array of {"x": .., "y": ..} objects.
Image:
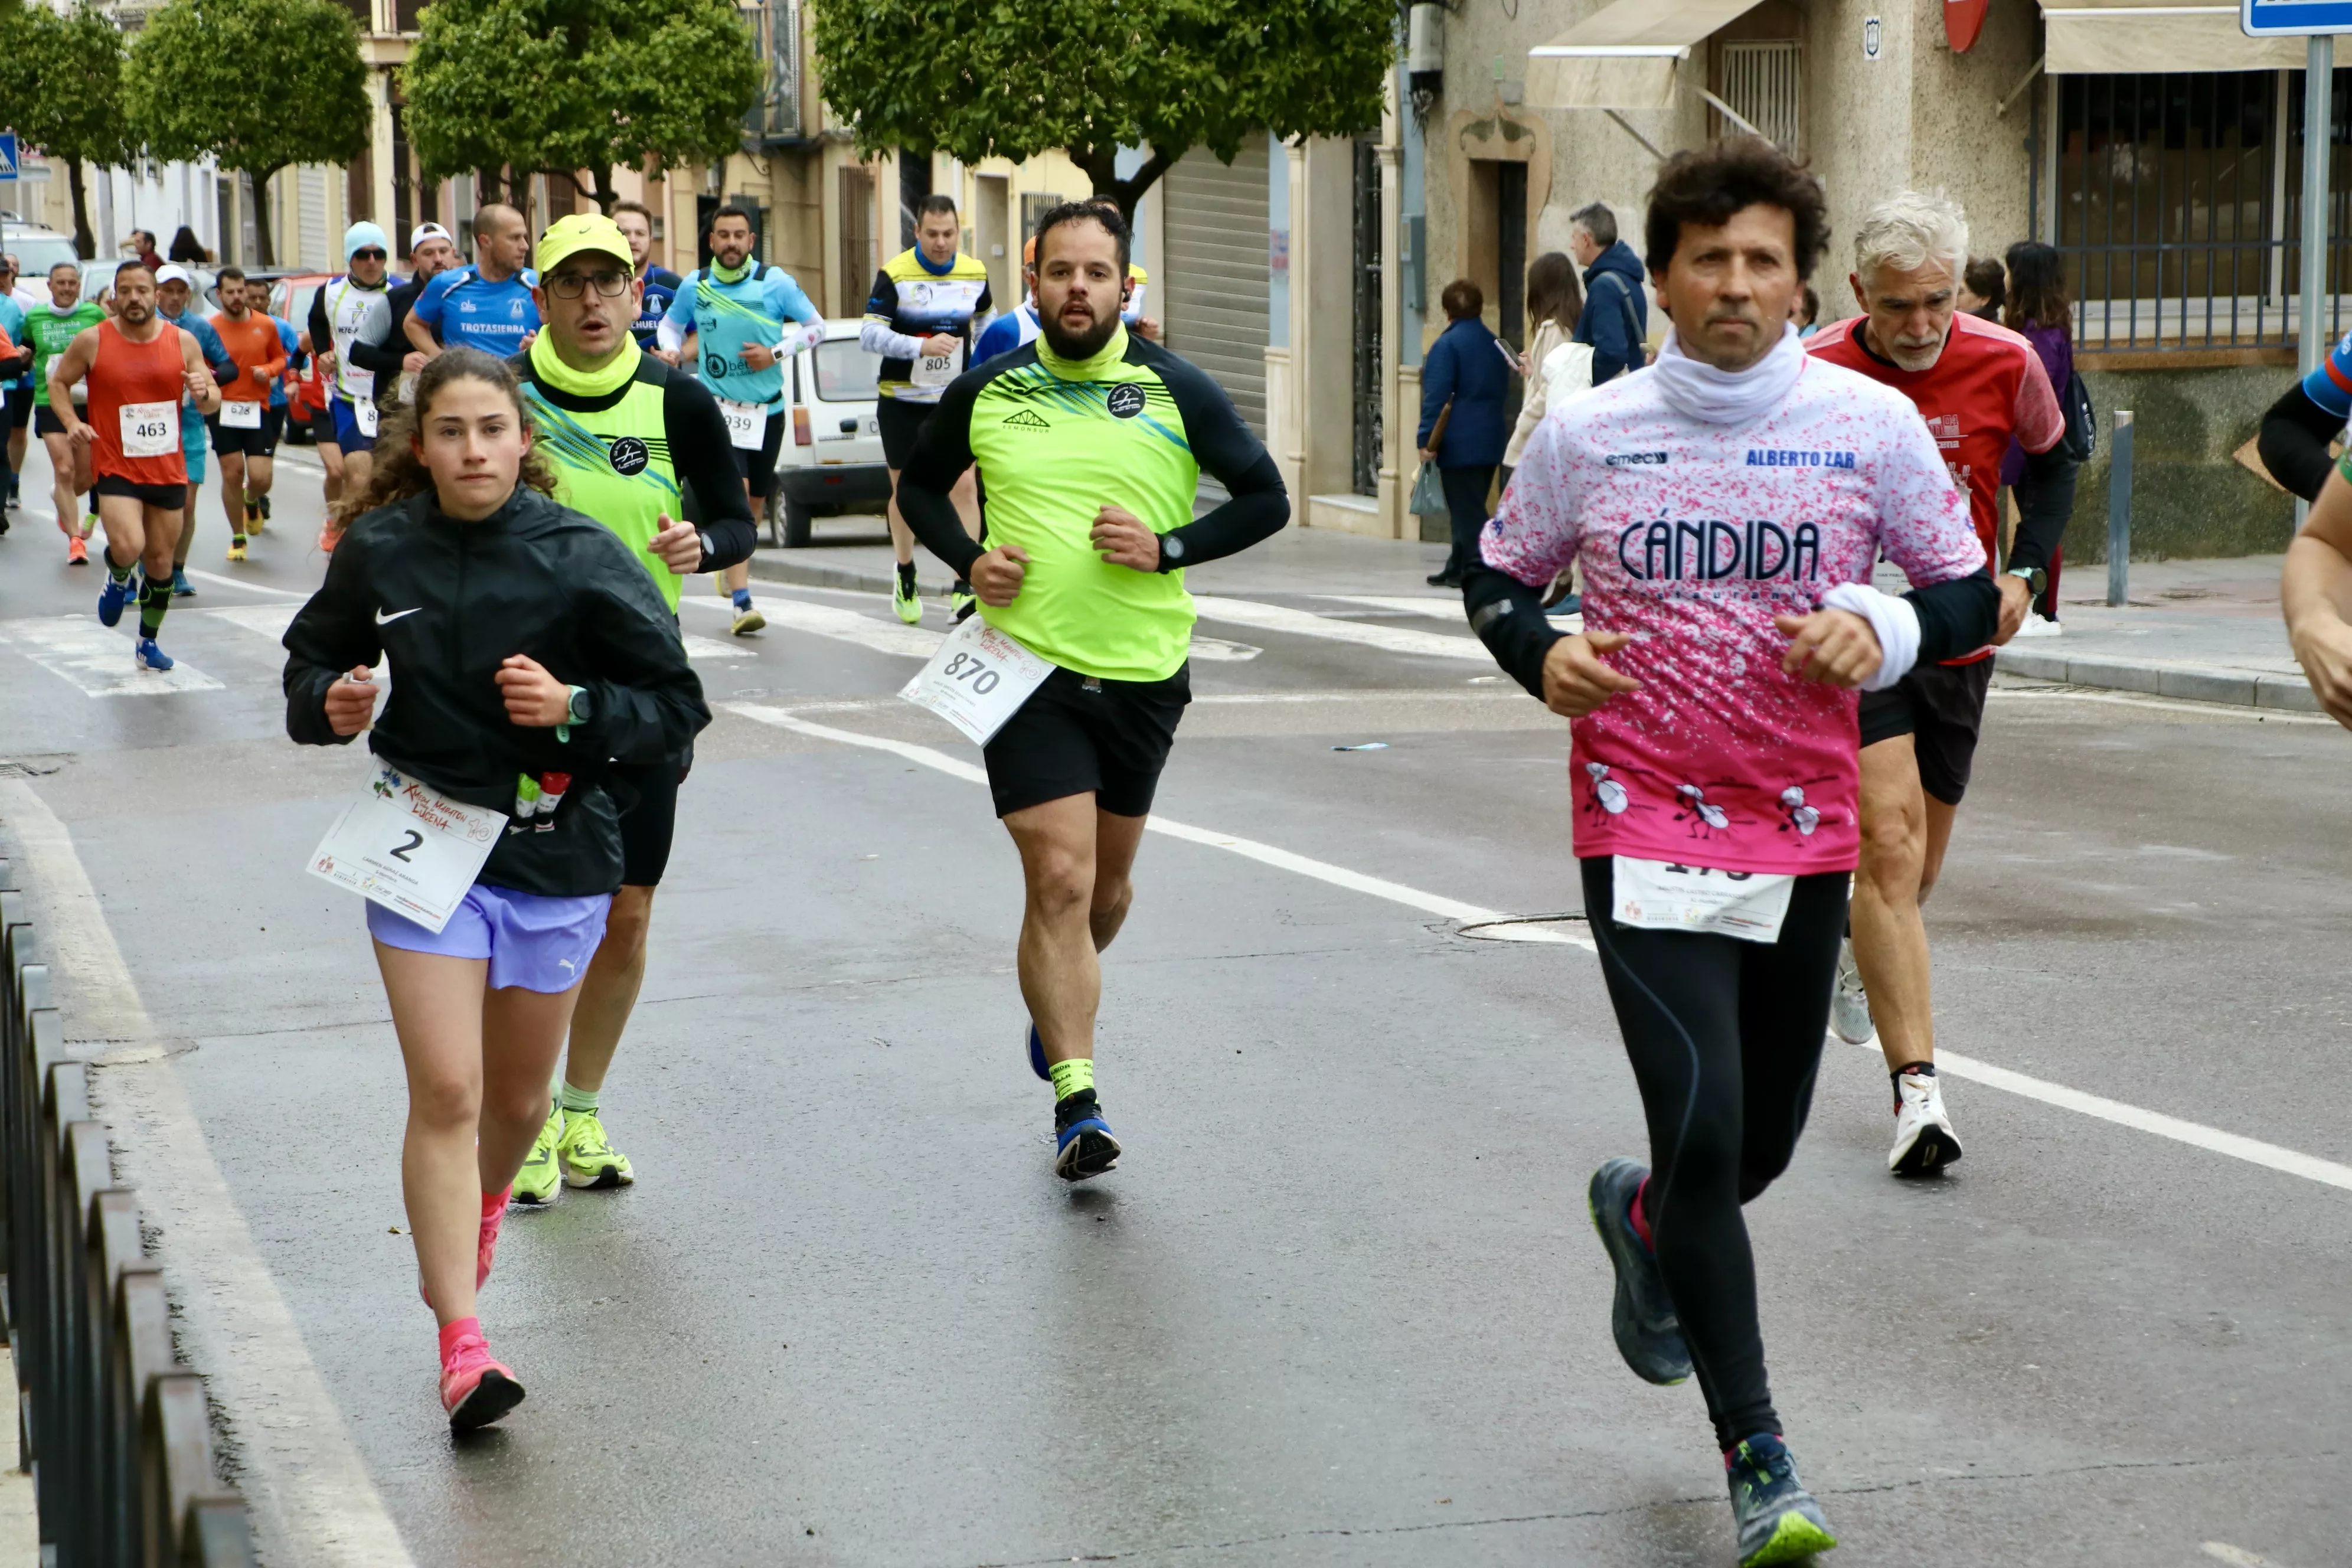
[
  {"x": 121, "y": 574},
  {"x": 155, "y": 598},
  {"x": 1641, "y": 1215},
  {"x": 579, "y": 1101},
  {"x": 1071, "y": 1076},
  {"x": 742, "y": 597}
]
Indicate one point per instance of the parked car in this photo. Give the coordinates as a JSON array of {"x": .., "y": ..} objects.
[
  {"x": 97, "y": 278},
  {"x": 306, "y": 389},
  {"x": 36, "y": 250},
  {"x": 833, "y": 462}
]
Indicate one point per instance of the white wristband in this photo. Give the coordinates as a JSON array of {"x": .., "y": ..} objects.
[{"x": 1894, "y": 620}]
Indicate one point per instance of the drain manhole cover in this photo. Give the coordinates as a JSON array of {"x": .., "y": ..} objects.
[{"x": 1567, "y": 929}]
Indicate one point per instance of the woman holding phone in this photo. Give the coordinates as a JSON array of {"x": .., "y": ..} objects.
[{"x": 532, "y": 652}]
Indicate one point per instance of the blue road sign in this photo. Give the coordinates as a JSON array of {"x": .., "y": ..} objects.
[
  {"x": 7, "y": 155},
  {"x": 2293, "y": 19}
]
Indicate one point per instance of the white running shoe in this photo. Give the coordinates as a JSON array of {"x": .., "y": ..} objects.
[
  {"x": 2034, "y": 626},
  {"x": 1849, "y": 1004},
  {"x": 1924, "y": 1138}
]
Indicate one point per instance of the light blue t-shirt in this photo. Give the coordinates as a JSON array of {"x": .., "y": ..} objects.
[
  {"x": 465, "y": 309},
  {"x": 12, "y": 318},
  {"x": 215, "y": 354},
  {"x": 725, "y": 316},
  {"x": 291, "y": 340}
]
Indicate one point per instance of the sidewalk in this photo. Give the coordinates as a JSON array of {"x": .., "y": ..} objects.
[{"x": 2203, "y": 631}]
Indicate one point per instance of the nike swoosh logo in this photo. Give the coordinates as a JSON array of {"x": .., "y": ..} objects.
[{"x": 383, "y": 620}]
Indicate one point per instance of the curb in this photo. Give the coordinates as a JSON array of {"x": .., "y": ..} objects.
[
  {"x": 2161, "y": 677},
  {"x": 2153, "y": 678}
]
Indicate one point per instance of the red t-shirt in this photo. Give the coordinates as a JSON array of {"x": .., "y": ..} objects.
[
  {"x": 1987, "y": 387},
  {"x": 135, "y": 413}
]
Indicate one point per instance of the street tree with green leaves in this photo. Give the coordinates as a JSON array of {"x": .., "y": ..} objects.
[
  {"x": 975, "y": 79},
  {"x": 257, "y": 85},
  {"x": 61, "y": 90},
  {"x": 576, "y": 86}
]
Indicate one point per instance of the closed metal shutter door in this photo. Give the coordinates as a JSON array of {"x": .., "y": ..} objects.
[
  {"x": 310, "y": 220},
  {"x": 1212, "y": 299}
]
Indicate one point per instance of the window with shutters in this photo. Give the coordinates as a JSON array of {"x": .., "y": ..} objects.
[{"x": 1763, "y": 83}]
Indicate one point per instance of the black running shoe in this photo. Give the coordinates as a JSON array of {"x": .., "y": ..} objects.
[
  {"x": 1083, "y": 1146},
  {"x": 1649, "y": 1334}
]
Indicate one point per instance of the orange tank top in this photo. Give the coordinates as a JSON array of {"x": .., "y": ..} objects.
[{"x": 135, "y": 396}]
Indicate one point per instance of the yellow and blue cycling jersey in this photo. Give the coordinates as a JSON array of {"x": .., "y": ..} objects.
[{"x": 914, "y": 299}]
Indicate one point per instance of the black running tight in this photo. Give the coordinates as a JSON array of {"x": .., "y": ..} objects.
[{"x": 1725, "y": 1036}]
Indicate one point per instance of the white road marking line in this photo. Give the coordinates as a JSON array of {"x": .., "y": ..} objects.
[
  {"x": 2239, "y": 1555},
  {"x": 263, "y": 620},
  {"x": 1267, "y": 854},
  {"x": 1217, "y": 650},
  {"x": 711, "y": 647},
  {"x": 249, "y": 587},
  {"x": 1368, "y": 634},
  {"x": 2252, "y": 1150},
  {"x": 96, "y": 658},
  {"x": 2127, "y": 699},
  {"x": 842, "y": 626},
  {"x": 1448, "y": 609},
  {"x": 306, "y": 1486}
]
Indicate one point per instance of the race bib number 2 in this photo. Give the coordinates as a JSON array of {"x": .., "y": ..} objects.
[
  {"x": 407, "y": 846},
  {"x": 978, "y": 679},
  {"x": 150, "y": 429}
]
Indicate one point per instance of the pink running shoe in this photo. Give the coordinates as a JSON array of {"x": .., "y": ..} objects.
[{"x": 475, "y": 1389}]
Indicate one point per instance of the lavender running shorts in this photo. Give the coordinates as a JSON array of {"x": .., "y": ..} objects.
[{"x": 538, "y": 943}]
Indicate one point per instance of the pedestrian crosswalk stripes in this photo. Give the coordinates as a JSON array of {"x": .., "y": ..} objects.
[{"x": 97, "y": 660}]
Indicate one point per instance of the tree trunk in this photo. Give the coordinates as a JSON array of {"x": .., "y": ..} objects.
[
  {"x": 85, "y": 243},
  {"x": 262, "y": 237},
  {"x": 604, "y": 193},
  {"x": 1100, "y": 166}
]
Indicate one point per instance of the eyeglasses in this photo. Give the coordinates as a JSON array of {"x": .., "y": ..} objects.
[
  {"x": 571, "y": 285},
  {"x": 368, "y": 256}
]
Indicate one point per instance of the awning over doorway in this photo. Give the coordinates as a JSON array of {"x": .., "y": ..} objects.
[
  {"x": 1627, "y": 55},
  {"x": 2106, "y": 38}
]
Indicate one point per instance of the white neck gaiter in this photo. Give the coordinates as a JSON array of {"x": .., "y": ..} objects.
[{"x": 1697, "y": 390}]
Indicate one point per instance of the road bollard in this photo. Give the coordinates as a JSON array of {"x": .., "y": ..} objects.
[{"x": 2119, "y": 477}]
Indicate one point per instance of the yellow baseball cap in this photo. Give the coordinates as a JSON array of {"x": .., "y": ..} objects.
[{"x": 577, "y": 232}]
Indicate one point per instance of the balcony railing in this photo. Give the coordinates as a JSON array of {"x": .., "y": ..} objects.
[{"x": 775, "y": 120}]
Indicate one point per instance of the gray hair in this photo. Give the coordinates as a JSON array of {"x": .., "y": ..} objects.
[
  {"x": 1909, "y": 230},
  {"x": 1598, "y": 221}
]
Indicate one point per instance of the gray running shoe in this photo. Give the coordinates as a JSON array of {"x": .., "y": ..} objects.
[
  {"x": 1649, "y": 1335},
  {"x": 1850, "y": 1004}
]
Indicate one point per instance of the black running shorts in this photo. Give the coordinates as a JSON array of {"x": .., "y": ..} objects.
[
  {"x": 163, "y": 497},
  {"x": 260, "y": 442},
  {"x": 760, "y": 467},
  {"x": 902, "y": 420},
  {"x": 46, "y": 422},
  {"x": 1078, "y": 735},
  {"x": 1941, "y": 708},
  {"x": 647, "y": 825}
]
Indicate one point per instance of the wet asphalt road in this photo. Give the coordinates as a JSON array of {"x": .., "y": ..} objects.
[{"x": 1341, "y": 1303}]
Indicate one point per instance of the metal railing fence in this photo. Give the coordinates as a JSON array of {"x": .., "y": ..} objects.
[{"x": 115, "y": 1430}]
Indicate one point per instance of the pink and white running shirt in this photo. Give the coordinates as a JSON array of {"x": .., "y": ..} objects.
[{"x": 1692, "y": 537}]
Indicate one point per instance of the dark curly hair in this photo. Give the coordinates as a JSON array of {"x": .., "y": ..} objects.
[{"x": 1706, "y": 186}]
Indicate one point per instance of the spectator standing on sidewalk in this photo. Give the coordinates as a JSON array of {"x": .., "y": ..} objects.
[
  {"x": 1555, "y": 366},
  {"x": 1616, "y": 321},
  {"x": 1981, "y": 290},
  {"x": 1464, "y": 378},
  {"x": 2034, "y": 303}
]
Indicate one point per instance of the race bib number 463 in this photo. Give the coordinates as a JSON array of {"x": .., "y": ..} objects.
[
  {"x": 978, "y": 679},
  {"x": 150, "y": 429}
]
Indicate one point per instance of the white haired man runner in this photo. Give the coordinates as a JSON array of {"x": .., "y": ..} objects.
[{"x": 1978, "y": 385}]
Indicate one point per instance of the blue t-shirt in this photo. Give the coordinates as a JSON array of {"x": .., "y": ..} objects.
[
  {"x": 462, "y": 309},
  {"x": 12, "y": 318},
  {"x": 726, "y": 316},
  {"x": 1007, "y": 332},
  {"x": 209, "y": 344},
  {"x": 661, "y": 287},
  {"x": 2329, "y": 385},
  {"x": 292, "y": 342}
]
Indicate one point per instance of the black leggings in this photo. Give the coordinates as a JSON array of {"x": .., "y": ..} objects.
[{"x": 1725, "y": 1036}]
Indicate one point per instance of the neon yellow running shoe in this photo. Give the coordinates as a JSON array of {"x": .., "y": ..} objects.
[
  {"x": 539, "y": 1181},
  {"x": 587, "y": 1157},
  {"x": 903, "y": 599}
]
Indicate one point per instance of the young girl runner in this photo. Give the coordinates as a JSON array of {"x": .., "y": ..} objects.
[{"x": 532, "y": 652}]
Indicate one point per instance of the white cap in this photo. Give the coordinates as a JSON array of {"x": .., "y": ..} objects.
[
  {"x": 425, "y": 231},
  {"x": 171, "y": 273}
]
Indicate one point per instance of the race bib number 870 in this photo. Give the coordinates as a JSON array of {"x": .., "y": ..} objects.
[{"x": 978, "y": 679}]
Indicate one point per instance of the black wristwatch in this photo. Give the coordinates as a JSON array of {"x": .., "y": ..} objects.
[{"x": 2037, "y": 580}]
